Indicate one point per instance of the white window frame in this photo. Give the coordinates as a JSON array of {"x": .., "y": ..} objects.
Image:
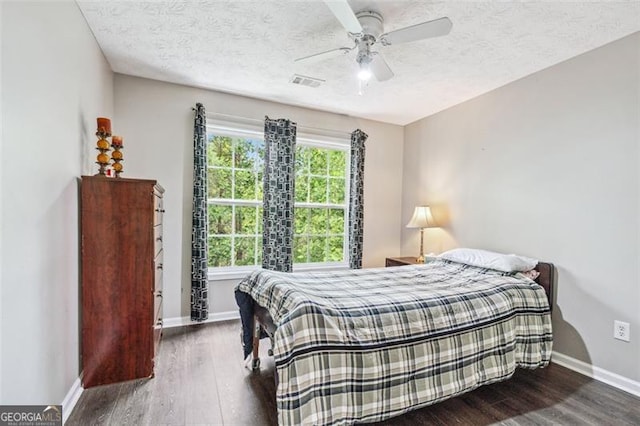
[{"x": 223, "y": 273}]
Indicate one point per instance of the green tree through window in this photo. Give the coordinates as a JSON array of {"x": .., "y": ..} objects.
[{"x": 235, "y": 202}]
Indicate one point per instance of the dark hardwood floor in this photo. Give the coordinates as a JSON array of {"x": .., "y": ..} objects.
[{"x": 200, "y": 379}]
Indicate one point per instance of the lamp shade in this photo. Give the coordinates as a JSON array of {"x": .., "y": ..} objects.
[{"x": 422, "y": 218}]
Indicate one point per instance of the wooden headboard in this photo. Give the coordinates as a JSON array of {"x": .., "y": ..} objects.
[{"x": 547, "y": 279}]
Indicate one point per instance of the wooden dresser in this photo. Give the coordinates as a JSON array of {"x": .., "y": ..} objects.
[{"x": 121, "y": 229}]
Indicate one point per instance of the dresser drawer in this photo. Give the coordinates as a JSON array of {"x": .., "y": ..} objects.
[
  {"x": 157, "y": 307},
  {"x": 157, "y": 285},
  {"x": 158, "y": 209},
  {"x": 157, "y": 239},
  {"x": 157, "y": 334}
]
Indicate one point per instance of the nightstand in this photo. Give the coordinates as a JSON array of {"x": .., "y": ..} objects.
[{"x": 401, "y": 261}]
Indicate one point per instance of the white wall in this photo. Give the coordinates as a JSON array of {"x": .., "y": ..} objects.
[
  {"x": 548, "y": 167},
  {"x": 156, "y": 121},
  {"x": 55, "y": 81},
  {"x": 1, "y": 133}
]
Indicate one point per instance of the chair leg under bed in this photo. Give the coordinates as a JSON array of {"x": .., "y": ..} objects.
[
  {"x": 255, "y": 364},
  {"x": 257, "y": 330}
]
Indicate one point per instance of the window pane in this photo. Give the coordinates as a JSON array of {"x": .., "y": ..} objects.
[
  {"x": 248, "y": 152},
  {"x": 317, "y": 246},
  {"x": 219, "y": 151},
  {"x": 245, "y": 185},
  {"x": 302, "y": 160},
  {"x": 318, "y": 193},
  {"x": 300, "y": 249},
  {"x": 259, "y": 185},
  {"x": 259, "y": 251},
  {"x": 260, "y": 220},
  {"x": 219, "y": 219},
  {"x": 336, "y": 191},
  {"x": 337, "y": 163},
  {"x": 302, "y": 188},
  {"x": 245, "y": 251},
  {"x": 258, "y": 162},
  {"x": 318, "y": 222},
  {"x": 301, "y": 221},
  {"x": 336, "y": 221},
  {"x": 219, "y": 251},
  {"x": 247, "y": 220},
  {"x": 219, "y": 183},
  {"x": 335, "y": 249},
  {"x": 318, "y": 161}
]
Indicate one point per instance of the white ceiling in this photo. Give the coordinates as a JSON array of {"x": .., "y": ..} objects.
[{"x": 248, "y": 47}]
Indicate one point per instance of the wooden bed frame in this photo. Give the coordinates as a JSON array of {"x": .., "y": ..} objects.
[{"x": 263, "y": 320}]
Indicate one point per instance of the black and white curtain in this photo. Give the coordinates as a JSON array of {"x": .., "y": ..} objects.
[
  {"x": 278, "y": 194},
  {"x": 356, "y": 199},
  {"x": 199, "y": 231}
]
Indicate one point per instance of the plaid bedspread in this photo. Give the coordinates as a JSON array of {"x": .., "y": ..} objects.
[{"x": 365, "y": 345}]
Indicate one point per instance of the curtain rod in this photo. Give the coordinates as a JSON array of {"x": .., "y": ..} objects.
[{"x": 261, "y": 122}]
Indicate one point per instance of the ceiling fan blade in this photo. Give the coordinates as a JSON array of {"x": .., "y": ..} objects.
[
  {"x": 435, "y": 28},
  {"x": 325, "y": 55},
  {"x": 380, "y": 68},
  {"x": 345, "y": 15}
]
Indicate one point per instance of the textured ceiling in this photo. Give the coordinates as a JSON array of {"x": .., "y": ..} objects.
[{"x": 248, "y": 48}]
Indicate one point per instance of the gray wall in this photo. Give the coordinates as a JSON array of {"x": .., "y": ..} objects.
[
  {"x": 55, "y": 82},
  {"x": 547, "y": 167},
  {"x": 1, "y": 197},
  {"x": 157, "y": 123}
]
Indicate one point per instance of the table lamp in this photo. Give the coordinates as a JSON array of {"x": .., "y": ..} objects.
[{"x": 422, "y": 218}]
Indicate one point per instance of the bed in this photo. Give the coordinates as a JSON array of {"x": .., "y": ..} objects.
[{"x": 365, "y": 345}]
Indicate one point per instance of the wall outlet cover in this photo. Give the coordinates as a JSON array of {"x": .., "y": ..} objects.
[{"x": 621, "y": 330}]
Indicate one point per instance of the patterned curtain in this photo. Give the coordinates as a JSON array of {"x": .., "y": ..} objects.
[
  {"x": 199, "y": 231},
  {"x": 278, "y": 198},
  {"x": 356, "y": 199}
]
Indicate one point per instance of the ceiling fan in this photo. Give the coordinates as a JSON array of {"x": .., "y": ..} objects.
[{"x": 365, "y": 28}]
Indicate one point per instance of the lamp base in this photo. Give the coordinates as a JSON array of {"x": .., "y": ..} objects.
[{"x": 420, "y": 259}]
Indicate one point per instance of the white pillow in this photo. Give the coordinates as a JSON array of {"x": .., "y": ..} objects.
[{"x": 490, "y": 259}]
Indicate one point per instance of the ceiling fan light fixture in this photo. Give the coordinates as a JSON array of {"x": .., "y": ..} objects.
[{"x": 365, "y": 73}]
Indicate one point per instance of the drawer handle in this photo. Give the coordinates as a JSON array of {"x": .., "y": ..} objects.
[
  {"x": 159, "y": 322},
  {"x": 159, "y": 266},
  {"x": 159, "y": 210}
]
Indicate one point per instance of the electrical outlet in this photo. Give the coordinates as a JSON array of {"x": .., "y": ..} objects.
[{"x": 621, "y": 330}]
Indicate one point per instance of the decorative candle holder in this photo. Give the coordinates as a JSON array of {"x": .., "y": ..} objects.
[
  {"x": 116, "y": 156},
  {"x": 103, "y": 147}
]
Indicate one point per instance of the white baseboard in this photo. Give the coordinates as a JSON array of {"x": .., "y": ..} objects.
[
  {"x": 71, "y": 399},
  {"x": 597, "y": 373},
  {"x": 214, "y": 317}
]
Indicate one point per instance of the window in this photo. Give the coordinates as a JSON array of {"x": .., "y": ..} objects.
[
  {"x": 235, "y": 174},
  {"x": 320, "y": 205}
]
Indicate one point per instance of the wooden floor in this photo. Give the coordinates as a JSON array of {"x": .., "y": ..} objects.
[{"x": 200, "y": 379}]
